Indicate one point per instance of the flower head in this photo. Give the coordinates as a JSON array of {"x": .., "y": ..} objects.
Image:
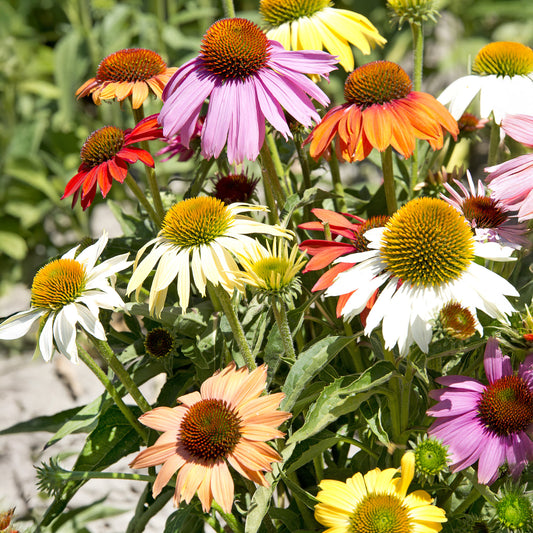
[
  {"x": 421, "y": 260},
  {"x": 175, "y": 148},
  {"x": 496, "y": 416},
  {"x": 233, "y": 188},
  {"x": 489, "y": 218},
  {"x": 455, "y": 321},
  {"x": 377, "y": 501},
  {"x": 248, "y": 79},
  {"x": 228, "y": 421},
  {"x": 272, "y": 270},
  {"x": 132, "y": 72},
  {"x": 511, "y": 182},
  {"x": 413, "y": 11},
  {"x": 431, "y": 457},
  {"x": 381, "y": 110},
  {"x": 67, "y": 292},
  {"x": 106, "y": 156},
  {"x": 200, "y": 234},
  {"x": 513, "y": 510},
  {"x": 160, "y": 343},
  {"x": 503, "y": 77},
  {"x": 315, "y": 24}
]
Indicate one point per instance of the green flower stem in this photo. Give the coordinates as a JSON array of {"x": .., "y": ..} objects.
[
  {"x": 418, "y": 50},
  {"x": 354, "y": 350},
  {"x": 229, "y": 8},
  {"x": 280, "y": 314},
  {"x": 388, "y": 180},
  {"x": 151, "y": 177},
  {"x": 395, "y": 414},
  {"x": 304, "y": 162},
  {"x": 69, "y": 475},
  {"x": 106, "y": 382},
  {"x": 235, "y": 325},
  {"x": 459, "y": 477},
  {"x": 112, "y": 360},
  {"x": 278, "y": 165},
  {"x": 359, "y": 444},
  {"x": 270, "y": 173},
  {"x": 144, "y": 513},
  {"x": 406, "y": 394},
  {"x": 494, "y": 143},
  {"x": 229, "y": 518},
  {"x": 136, "y": 190},
  {"x": 340, "y": 203}
]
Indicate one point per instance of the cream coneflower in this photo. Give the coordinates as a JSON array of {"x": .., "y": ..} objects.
[
  {"x": 133, "y": 71},
  {"x": 200, "y": 235},
  {"x": 67, "y": 292},
  {"x": 378, "y": 501},
  {"x": 421, "y": 260},
  {"x": 316, "y": 24},
  {"x": 503, "y": 77},
  {"x": 272, "y": 270},
  {"x": 227, "y": 422}
]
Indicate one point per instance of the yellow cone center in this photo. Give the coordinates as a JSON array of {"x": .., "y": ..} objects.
[
  {"x": 131, "y": 65},
  {"x": 276, "y": 12},
  {"x": 234, "y": 48},
  {"x": 377, "y": 82},
  {"x": 210, "y": 430},
  {"x": 196, "y": 221},
  {"x": 506, "y": 406},
  {"x": 380, "y": 513},
  {"x": 57, "y": 284},
  {"x": 102, "y": 145},
  {"x": 504, "y": 58},
  {"x": 427, "y": 242}
]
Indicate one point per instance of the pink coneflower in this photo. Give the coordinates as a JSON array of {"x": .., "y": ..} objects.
[
  {"x": 248, "y": 79},
  {"x": 176, "y": 149},
  {"x": 490, "y": 219},
  {"x": 228, "y": 421},
  {"x": 495, "y": 417},
  {"x": 512, "y": 182}
]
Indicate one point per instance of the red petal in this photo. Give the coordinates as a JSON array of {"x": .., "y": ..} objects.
[
  {"x": 329, "y": 277},
  {"x": 75, "y": 183}
]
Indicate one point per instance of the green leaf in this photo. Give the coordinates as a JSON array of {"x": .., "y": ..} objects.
[
  {"x": 342, "y": 396},
  {"x": 185, "y": 519},
  {"x": 310, "y": 448},
  {"x": 42, "y": 423},
  {"x": 308, "y": 365},
  {"x": 13, "y": 245},
  {"x": 294, "y": 201}
]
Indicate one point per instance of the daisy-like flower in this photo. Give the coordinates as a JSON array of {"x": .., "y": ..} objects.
[
  {"x": 228, "y": 421},
  {"x": 272, "y": 270},
  {"x": 248, "y": 79},
  {"x": 496, "y": 417},
  {"x": 503, "y": 77},
  {"x": 378, "y": 501},
  {"x": 511, "y": 182},
  {"x": 324, "y": 252},
  {"x": 421, "y": 260},
  {"x": 490, "y": 219},
  {"x": 106, "y": 156},
  {"x": 132, "y": 72},
  {"x": 315, "y": 25},
  {"x": 67, "y": 292},
  {"x": 200, "y": 235},
  {"x": 381, "y": 110},
  {"x": 175, "y": 148},
  {"x": 233, "y": 188}
]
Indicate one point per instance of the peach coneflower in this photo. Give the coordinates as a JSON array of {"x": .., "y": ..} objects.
[
  {"x": 381, "y": 110},
  {"x": 226, "y": 422},
  {"x": 133, "y": 71}
]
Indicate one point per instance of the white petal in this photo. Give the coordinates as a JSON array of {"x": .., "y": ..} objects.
[
  {"x": 90, "y": 323},
  {"x": 65, "y": 332},
  {"x": 46, "y": 338},
  {"x": 18, "y": 325}
]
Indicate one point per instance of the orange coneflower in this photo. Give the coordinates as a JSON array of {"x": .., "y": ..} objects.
[
  {"x": 133, "y": 71},
  {"x": 226, "y": 422},
  {"x": 380, "y": 111}
]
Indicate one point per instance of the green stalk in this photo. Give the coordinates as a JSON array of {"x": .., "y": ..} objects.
[
  {"x": 138, "y": 115},
  {"x": 418, "y": 52},
  {"x": 229, "y": 518},
  {"x": 229, "y": 8},
  {"x": 494, "y": 143},
  {"x": 69, "y": 475},
  {"x": 137, "y": 191},
  {"x": 112, "y": 360},
  {"x": 143, "y": 514},
  {"x": 340, "y": 203},
  {"x": 354, "y": 350},
  {"x": 388, "y": 180},
  {"x": 395, "y": 414},
  {"x": 235, "y": 325},
  {"x": 280, "y": 314},
  {"x": 108, "y": 385},
  {"x": 304, "y": 162},
  {"x": 278, "y": 165},
  {"x": 271, "y": 174}
]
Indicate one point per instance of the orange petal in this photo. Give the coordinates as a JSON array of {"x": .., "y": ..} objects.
[
  {"x": 163, "y": 418},
  {"x": 154, "y": 455},
  {"x": 222, "y": 486},
  {"x": 139, "y": 94},
  {"x": 169, "y": 468},
  {"x": 377, "y": 126}
]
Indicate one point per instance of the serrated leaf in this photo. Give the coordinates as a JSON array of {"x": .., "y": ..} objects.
[
  {"x": 307, "y": 450},
  {"x": 185, "y": 519},
  {"x": 294, "y": 201},
  {"x": 309, "y": 363},
  {"x": 342, "y": 396}
]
